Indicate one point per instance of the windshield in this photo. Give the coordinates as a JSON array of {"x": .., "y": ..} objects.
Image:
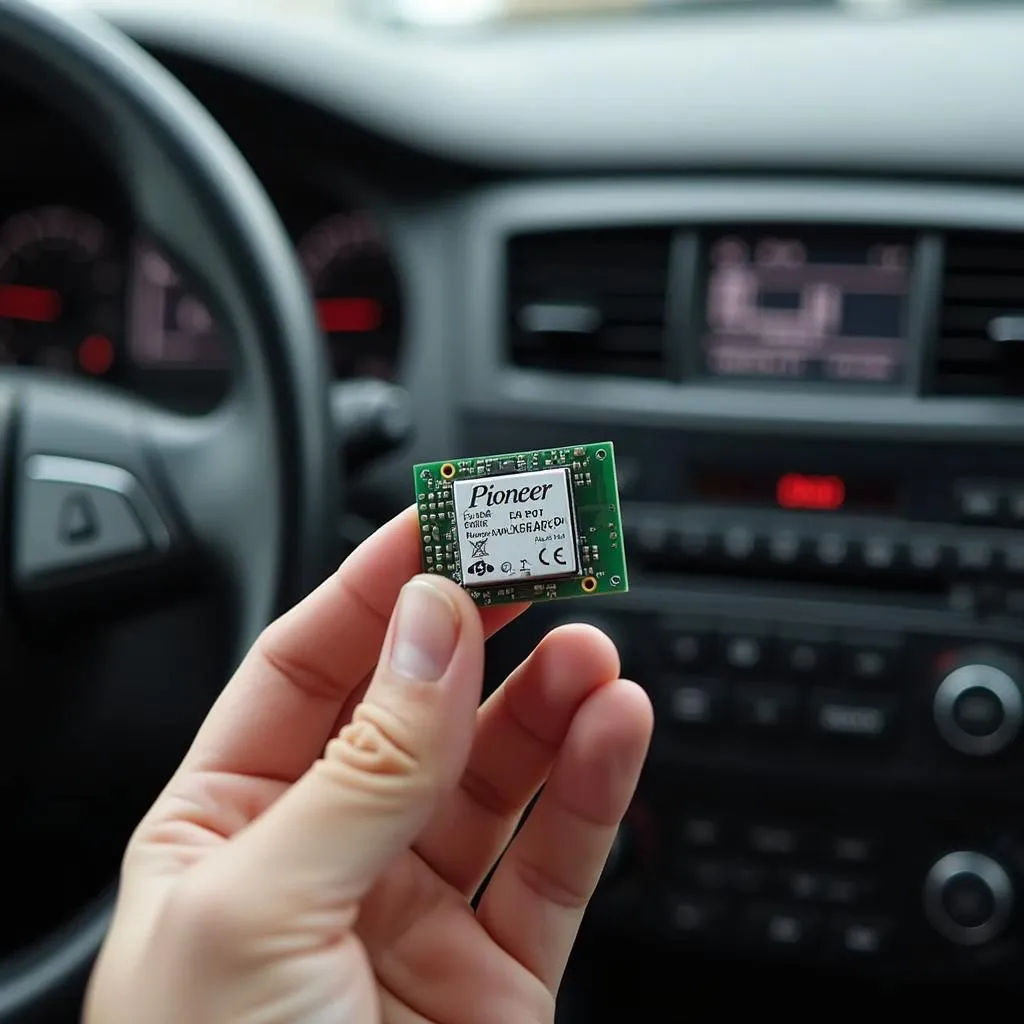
[
  {"x": 467, "y": 13},
  {"x": 438, "y": 13}
]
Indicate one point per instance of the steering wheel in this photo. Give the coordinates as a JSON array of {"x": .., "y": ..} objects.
[{"x": 102, "y": 492}]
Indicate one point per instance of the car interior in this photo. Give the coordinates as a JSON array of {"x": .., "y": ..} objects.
[{"x": 258, "y": 260}]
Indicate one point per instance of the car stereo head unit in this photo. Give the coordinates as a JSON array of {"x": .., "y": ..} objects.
[{"x": 802, "y": 305}]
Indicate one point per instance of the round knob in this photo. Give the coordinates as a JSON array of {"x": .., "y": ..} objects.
[
  {"x": 978, "y": 709},
  {"x": 968, "y": 898}
]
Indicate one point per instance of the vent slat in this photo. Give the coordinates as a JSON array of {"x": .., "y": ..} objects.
[
  {"x": 983, "y": 279},
  {"x": 614, "y": 281}
]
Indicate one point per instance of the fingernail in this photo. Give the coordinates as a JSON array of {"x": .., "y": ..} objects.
[{"x": 425, "y": 632}]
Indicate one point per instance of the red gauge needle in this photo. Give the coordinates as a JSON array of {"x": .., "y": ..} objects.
[
  {"x": 36, "y": 305},
  {"x": 349, "y": 316}
]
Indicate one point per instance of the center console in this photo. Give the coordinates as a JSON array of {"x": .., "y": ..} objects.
[{"x": 817, "y": 404}]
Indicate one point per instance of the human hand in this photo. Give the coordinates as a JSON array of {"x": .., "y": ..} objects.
[{"x": 313, "y": 859}]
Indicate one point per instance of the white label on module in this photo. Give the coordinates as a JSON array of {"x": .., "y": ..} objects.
[{"x": 515, "y": 527}]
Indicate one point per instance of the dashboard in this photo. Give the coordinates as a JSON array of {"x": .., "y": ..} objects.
[
  {"x": 791, "y": 292},
  {"x": 83, "y": 293}
]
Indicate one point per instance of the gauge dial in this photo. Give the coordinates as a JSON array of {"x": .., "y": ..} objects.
[
  {"x": 357, "y": 294},
  {"x": 60, "y": 288}
]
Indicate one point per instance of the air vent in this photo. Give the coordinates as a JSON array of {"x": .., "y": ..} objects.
[
  {"x": 981, "y": 331},
  {"x": 589, "y": 302}
]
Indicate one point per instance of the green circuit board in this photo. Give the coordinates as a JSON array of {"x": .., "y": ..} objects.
[{"x": 525, "y": 526}]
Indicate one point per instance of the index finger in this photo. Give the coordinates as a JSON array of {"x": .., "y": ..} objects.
[{"x": 277, "y": 713}]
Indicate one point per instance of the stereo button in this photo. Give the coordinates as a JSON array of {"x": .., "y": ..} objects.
[
  {"x": 805, "y": 885},
  {"x": 700, "y": 833},
  {"x": 745, "y": 650},
  {"x": 767, "y": 710},
  {"x": 860, "y": 937},
  {"x": 978, "y": 712},
  {"x": 785, "y": 547},
  {"x": 832, "y": 550},
  {"x": 968, "y": 901},
  {"x": 807, "y": 656},
  {"x": 978, "y": 708},
  {"x": 786, "y": 929},
  {"x": 974, "y": 555},
  {"x": 978, "y": 502},
  {"x": 926, "y": 554},
  {"x": 693, "y": 703},
  {"x": 880, "y": 553},
  {"x": 968, "y": 898},
  {"x": 873, "y": 657},
  {"x": 696, "y": 915},
  {"x": 739, "y": 543},
  {"x": 852, "y": 716},
  {"x": 689, "y": 644}
]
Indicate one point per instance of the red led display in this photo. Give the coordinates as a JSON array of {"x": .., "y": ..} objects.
[
  {"x": 35, "y": 305},
  {"x": 814, "y": 493},
  {"x": 349, "y": 316},
  {"x": 798, "y": 491}
]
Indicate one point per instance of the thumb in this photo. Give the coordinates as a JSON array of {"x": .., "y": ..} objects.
[{"x": 330, "y": 836}]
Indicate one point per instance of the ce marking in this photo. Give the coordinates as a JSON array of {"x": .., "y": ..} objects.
[{"x": 558, "y": 555}]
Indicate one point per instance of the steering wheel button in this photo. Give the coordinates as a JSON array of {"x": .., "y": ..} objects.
[
  {"x": 68, "y": 528},
  {"x": 79, "y": 523},
  {"x": 73, "y": 515}
]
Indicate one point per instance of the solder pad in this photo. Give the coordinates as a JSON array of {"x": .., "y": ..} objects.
[{"x": 524, "y": 526}]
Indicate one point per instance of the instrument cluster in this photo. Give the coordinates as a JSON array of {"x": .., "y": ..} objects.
[{"x": 82, "y": 294}]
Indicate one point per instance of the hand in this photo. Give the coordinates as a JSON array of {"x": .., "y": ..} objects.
[{"x": 313, "y": 859}]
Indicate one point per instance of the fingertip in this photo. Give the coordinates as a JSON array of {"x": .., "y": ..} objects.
[
  {"x": 594, "y": 652},
  {"x": 619, "y": 715},
  {"x": 463, "y": 607},
  {"x": 488, "y": 618},
  {"x": 561, "y": 673},
  {"x": 604, "y": 753},
  {"x": 435, "y": 632}
]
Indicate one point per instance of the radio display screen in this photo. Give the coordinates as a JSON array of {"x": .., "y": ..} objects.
[
  {"x": 795, "y": 491},
  {"x": 807, "y": 307}
]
